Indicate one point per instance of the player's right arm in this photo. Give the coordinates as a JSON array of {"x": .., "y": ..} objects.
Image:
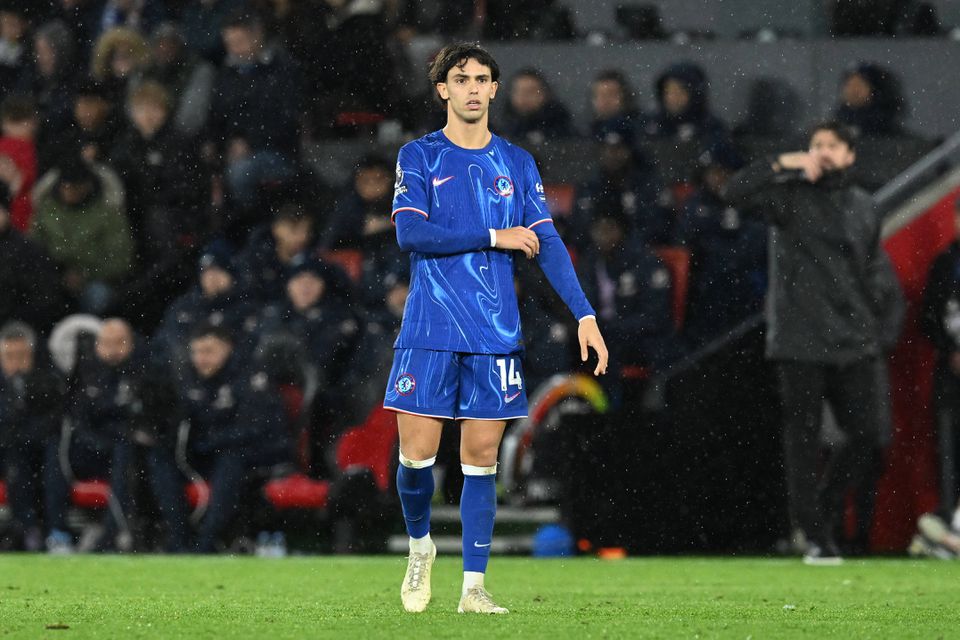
[{"x": 411, "y": 213}]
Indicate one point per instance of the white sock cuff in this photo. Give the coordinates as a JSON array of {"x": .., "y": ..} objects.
[
  {"x": 470, "y": 470},
  {"x": 417, "y": 464}
]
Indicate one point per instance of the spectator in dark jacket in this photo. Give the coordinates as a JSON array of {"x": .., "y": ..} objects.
[
  {"x": 106, "y": 411},
  {"x": 941, "y": 324},
  {"x": 626, "y": 175},
  {"x": 237, "y": 426},
  {"x": 15, "y": 21},
  {"x": 256, "y": 111},
  {"x": 358, "y": 215},
  {"x": 31, "y": 414},
  {"x": 533, "y": 114},
  {"x": 379, "y": 323},
  {"x": 83, "y": 18},
  {"x": 139, "y": 15},
  {"x": 95, "y": 125},
  {"x": 823, "y": 330},
  {"x": 119, "y": 55},
  {"x": 28, "y": 277},
  {"x": 51, "y": 82},
  {"x": 683, "y": 106},
  {"x": 871, "y": 101},
  {"x": 202, "y": 23},
  {"x": 161, "y": 173},
  {"x": 187, "y": 77},
  {"x": 216, "y": 300},
  {"x": 632, "y": 289},
  {"x": 613, "y": 104},
  {"x": 311, "y": 326},
  {"x": 728, "y": 252},
  {"x": 271, "y": 250}
]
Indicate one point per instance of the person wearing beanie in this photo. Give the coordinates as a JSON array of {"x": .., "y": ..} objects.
[
  {"x": 215, "y": 300},
  {"x": 728, "y": 251},
  {"x": 626, "y": 174}
]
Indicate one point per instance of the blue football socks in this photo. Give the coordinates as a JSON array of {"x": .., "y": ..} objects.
[
  {"x": 478, "y": 507},
  {"x": 415, "y": 486}
]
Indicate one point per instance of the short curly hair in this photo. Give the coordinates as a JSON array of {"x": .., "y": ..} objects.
[{"x": 456, "y": 55}]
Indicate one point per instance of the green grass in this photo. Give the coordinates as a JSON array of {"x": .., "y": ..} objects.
[{"x": 340, "y": 597}]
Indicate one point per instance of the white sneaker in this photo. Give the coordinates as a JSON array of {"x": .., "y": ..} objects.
[
  {"x": 936, "y": 530},
  {"x": 477, "y": 600},
  {"x": 415, "y": 590}
]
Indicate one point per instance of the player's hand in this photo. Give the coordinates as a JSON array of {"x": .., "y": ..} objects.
[
  {"x": 519, "y": 238},
  {"x": 804, "y": 162},
  {"x": 589, "y": 335}
]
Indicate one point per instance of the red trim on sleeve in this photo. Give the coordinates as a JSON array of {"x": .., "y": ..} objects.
[
  {"x": 423, "y": 213},
  {"x": 540, "y": 222}
]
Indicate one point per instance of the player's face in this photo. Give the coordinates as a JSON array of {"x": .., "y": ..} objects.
[
  {"x": 830, "y": 151},
  {"x": 209, "y": 354},
  {"x": 468, "y": 91},
  {"x": 16, "y": 356}
]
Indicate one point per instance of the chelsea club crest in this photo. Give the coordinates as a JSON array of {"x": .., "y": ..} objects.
[
  {"x": 405, "y": 384},
  {"x": 503, "y": 185}
]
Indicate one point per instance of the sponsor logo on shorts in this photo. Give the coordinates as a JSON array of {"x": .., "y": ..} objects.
[
  {"x": 509, "y": 399},
  {"x": 405, "y": 384}
]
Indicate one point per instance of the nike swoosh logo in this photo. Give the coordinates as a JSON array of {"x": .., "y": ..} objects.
[
  {"x": 480, "y": 546},
  {"x": 509, "y": 399},
  {"x": 439, "y": 181}
]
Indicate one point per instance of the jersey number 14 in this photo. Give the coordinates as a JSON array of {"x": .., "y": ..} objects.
[{"x": 513, "y": 378}]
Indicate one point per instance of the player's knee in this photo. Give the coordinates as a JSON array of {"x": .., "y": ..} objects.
[
  {"x": 417, "y": 453},
  {"x": 479, "y": 455}
]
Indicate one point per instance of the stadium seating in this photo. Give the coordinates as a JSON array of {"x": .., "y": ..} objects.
[{"x": 87, "y": 494}]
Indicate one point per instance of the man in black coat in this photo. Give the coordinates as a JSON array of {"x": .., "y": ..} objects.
[
  {"x": 31, "y": 413},
  {"x": 106, "y": 412},
  {"x": 28, "y": 276},
  {"x": 824, "y": 331},
  {"x": 254, "y": 118},
  {"x": 237, "y": 426},
  {"x": 216, "y": 299},
  {"x": 941, "y": 324}
]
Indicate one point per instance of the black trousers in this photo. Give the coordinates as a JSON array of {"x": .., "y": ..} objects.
[
  {"x": 946, "y": 405},
  {"x": 817, "y": 497}
]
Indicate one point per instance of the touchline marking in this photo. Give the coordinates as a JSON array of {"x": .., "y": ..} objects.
[{"x": 439, "y": 181}]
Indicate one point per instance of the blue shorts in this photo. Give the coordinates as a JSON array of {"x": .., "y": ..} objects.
[{"x": 459, "y": 386}]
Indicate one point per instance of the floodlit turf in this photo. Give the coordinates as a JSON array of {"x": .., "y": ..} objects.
[{"x": 324, "y": 597}]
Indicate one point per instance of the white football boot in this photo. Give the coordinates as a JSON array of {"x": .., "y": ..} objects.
[
  {"x": 477, "y": 600},
  {"x": 415, "y": 590}
]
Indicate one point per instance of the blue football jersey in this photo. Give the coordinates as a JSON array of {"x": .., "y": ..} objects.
[{"x": 465, "y": 302}]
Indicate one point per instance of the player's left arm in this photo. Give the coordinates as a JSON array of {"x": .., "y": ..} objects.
[{"x": 555, "y": 262}]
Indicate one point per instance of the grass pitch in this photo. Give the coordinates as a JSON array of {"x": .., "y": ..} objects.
[{"x": 341, "y": 597}]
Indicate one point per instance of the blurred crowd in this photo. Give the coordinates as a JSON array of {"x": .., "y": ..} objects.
[{"x": 154, "y": 193}]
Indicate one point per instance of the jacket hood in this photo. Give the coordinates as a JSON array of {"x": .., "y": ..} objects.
[
  {"x": 695, "y": 80},
  {"x": 887, "y": 105}
]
